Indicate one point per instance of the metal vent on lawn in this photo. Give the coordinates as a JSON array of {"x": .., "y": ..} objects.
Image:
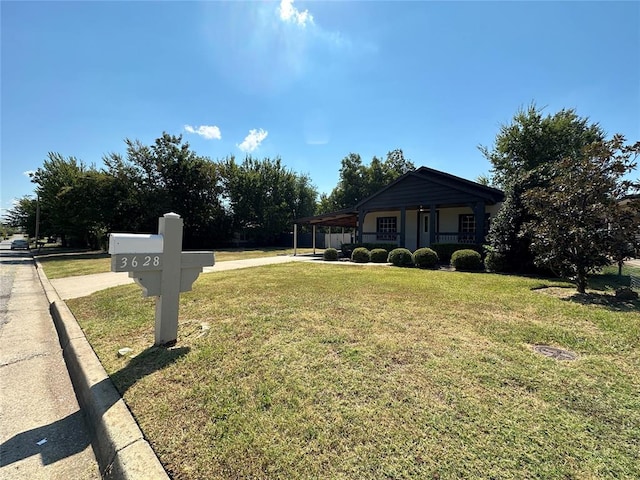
[{"x": 555, "y": 353}]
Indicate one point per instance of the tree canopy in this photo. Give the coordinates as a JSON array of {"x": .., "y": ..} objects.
[
  {"x": 579, "y": 220},
  {"x": 215, "y": 198},
  {"x": 525, "y": 155}
]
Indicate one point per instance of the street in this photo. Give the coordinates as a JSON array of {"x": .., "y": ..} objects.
[{"x": 42, "y": 431}]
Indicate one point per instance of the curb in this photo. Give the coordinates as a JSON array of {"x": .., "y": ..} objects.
[{"x": 119, "y": 445}]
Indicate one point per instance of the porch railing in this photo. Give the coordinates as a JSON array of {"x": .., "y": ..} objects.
[
  {"x": 379, "y": 237},
  {"x": 455, "y": 237},
  {"x": 440, "y": 237}
]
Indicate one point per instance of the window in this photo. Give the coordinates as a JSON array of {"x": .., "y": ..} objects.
[
  {"x": 386, "y": 228},
  {"x": 467, "y": 227}
]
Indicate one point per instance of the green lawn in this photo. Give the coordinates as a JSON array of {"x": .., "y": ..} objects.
[
  {"x": 61, "y": 266},
  {"x": 317, "y": 371}
]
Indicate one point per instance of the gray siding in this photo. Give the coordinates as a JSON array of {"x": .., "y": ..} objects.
[{"x": 413, "y": 191}]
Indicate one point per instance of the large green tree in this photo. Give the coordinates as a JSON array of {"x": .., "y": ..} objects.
[
  {"x": 71, "y": 197},
  {"x": 168, "y": 176},
  {"x": 525, "y": 154},
  {"x": 577, "y": 214},
  {"x": 265, "y": 197}
]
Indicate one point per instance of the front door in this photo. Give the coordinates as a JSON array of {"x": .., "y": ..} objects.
[{"x": 423, "y": 232}]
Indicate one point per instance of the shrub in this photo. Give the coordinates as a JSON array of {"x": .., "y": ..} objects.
[
  {"x": 445, "y": 250},
  {"x": 379, "y": 255},
  {"x": 361, "y": 255},
  {"x": 400, "y": 257},
  {"x": 425, "y": 258},
  {"x": 330, "y": 255},
  {"x": 495, "y": 262},
  {"x": 348, "y": 248},
  {"x": 466, "y": 259},
  {"x": 625, "y": 293}
]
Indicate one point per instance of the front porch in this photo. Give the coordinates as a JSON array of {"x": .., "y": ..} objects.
[{"x": 419, "y": 209}]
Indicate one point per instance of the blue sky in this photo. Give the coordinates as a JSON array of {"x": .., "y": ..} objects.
[{"x": 307, "y": 81}]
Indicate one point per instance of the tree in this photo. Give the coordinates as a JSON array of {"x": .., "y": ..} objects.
[
  {"x": 264, "y": 197},
  {"x": 524, "y": 154},
  {"x": 71, "y": 200},
  {"x": 23, "y": 215},
  {"x": 168, "y": 177},
  {"x": 574, "y": 230}
]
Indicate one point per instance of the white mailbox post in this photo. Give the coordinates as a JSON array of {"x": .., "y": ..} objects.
[{"x": 158, "y": 265}]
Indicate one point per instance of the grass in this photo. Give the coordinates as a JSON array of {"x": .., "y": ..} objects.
[
  {"x": 304, "y": 371},
  {"x": 69, "y": 265}
]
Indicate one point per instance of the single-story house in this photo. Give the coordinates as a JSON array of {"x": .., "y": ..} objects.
[{"x": 420, "y": 208}]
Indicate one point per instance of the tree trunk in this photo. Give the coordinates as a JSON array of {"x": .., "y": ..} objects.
[
  {"x": 581, "y": 282},
  {"x": 620, "y": 268}
]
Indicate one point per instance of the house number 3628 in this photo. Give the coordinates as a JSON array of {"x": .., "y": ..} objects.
[{"x": 142, "y": 261}]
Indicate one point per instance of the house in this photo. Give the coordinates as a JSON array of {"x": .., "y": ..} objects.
[{"x": 418, "y": 209}]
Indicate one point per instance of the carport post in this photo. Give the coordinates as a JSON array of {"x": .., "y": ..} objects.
[{"x": 295, "y": 239}]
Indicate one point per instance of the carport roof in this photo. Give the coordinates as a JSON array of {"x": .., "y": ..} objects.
[{"x": 341, "y": 218}]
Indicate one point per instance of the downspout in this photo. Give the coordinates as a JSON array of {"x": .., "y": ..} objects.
[{"x": 313, "y": 242}]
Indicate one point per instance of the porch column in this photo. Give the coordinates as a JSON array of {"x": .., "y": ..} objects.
[
  {"x": 479, "y": 212},
  {"x": 313, "y": 242},
  {"x": 403, "y": 222},
  {"x": 432, "y": 224},
  {"x": 360, "y": 225},
  {"x": 295, "y": 239}
]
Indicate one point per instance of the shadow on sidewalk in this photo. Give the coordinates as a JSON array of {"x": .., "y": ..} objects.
[{"x": 55, "y": 441}]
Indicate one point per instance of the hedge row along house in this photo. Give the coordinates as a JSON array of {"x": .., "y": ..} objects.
[{"x": 419, "y": 209}]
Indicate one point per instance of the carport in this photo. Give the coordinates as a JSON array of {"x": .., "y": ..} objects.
[{"x": 347, "y": 218}]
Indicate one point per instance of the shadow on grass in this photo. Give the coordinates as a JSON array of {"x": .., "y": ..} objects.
[
  {"x": 610, "y": 302},
  {"x": 45, "y": 257},
  {"x": 609, "y": 281},
  {"x": 147, "y": 362}
]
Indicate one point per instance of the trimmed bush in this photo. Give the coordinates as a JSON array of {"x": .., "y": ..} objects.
[
  {"x": 330, "y": 255},
  {"x": 625, "y": 293},
  {"x": 495, "y": 262},
  {"x": 425, "y": 258},
  {"x": 400, "y": 257},
  {"x": 379, "y": 255},
  {"x": 445, "y": 250},
  {"x": 361, "y": 255},
  {"x": 348, "y": 248},
  {"x": 466, "y": 260}
]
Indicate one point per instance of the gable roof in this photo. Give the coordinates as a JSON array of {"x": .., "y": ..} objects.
[{"x": 425, "y": 186}]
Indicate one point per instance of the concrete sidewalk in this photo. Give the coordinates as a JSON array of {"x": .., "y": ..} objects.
[
  {"x": 81, "y": 286},
  {"x": 43, "y": 432}
]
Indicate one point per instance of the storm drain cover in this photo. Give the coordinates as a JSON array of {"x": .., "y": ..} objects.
[{"x": 554, "y": 352}]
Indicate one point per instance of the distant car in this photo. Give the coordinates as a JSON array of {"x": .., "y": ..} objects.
[{"x": 19, "y": 245}]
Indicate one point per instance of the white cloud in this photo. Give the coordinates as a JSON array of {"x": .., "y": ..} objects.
[
  {"x": 29, "y": 173},
  {"x": 289, "y": 13},
  {"x": 209, "y": 132},
  {"x": 253, "y": 140}
]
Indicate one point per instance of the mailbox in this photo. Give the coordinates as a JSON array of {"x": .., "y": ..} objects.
[
  {"x": 158, "y": 265},
  {"x": 135, "y": 243}
]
